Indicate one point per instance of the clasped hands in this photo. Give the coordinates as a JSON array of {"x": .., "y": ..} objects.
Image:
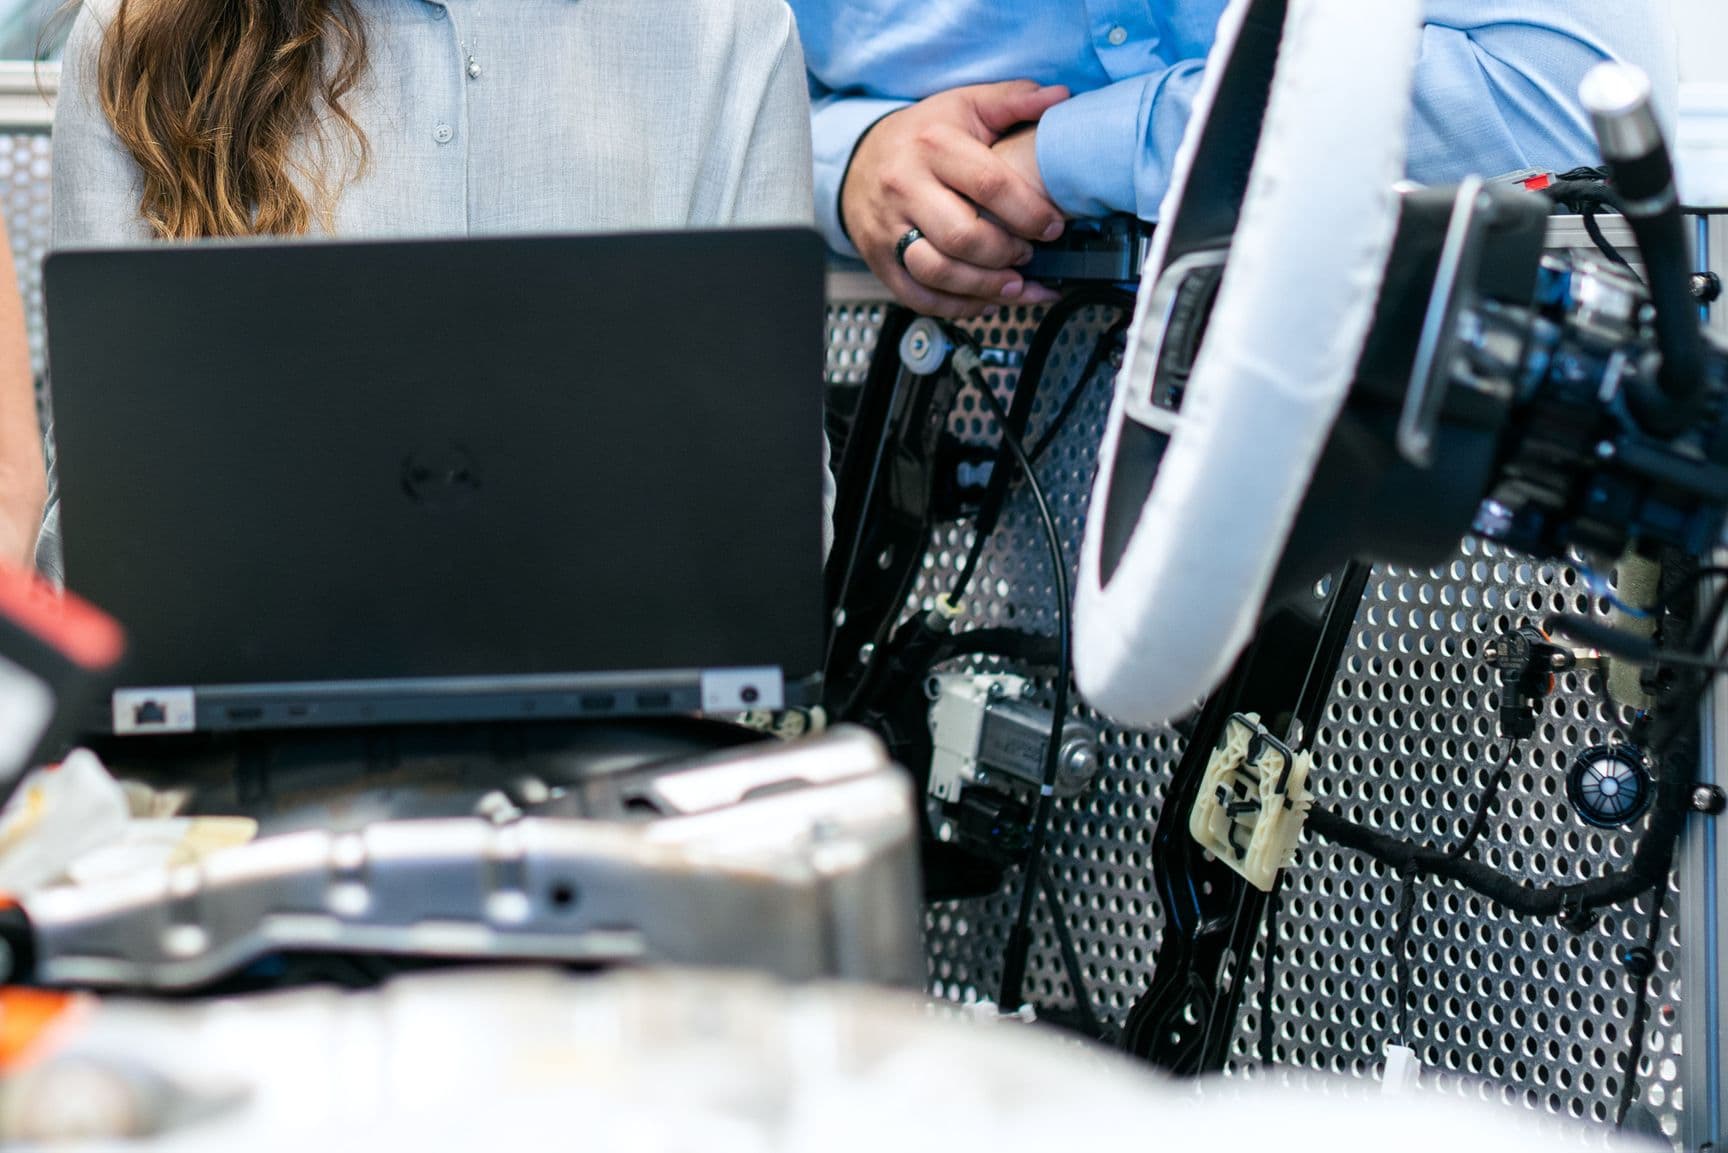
[{"x": 962, "y": 169}]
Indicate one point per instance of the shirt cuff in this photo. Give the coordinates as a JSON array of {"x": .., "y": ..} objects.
[
  {"x": 838, "y": 126},
  {"x": 1088, "y": 147}
]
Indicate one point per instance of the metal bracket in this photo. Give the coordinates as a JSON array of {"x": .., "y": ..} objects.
[{"x": 1431, "y": 374}]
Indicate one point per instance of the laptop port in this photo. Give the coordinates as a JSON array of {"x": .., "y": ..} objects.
[
  {"x": 599, "y": 703},
  {"x": 245, "y": 713},
  {"x": 154, "y": 711},
  {"x": 653, "y": 700}
]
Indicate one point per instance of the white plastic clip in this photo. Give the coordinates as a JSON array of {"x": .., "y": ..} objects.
[
  {"x": 1403, "y": 1071},
  {"x": 1253, "y": 801}
]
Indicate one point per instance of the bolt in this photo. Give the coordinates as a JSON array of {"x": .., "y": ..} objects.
[
  {"x": 919, "y": 343},
  {"x": 865, "y": 653},
  {"x": 1082, "y": 761},
  {"x": 1709, "y": 800},
  {"x": 1561, "y": 660},
  {"x": 1606, "y": 450},
  {"x": 997, "y": 691}
]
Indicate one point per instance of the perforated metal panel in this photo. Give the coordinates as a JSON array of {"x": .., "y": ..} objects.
[{"x": 1500, "y": 1005}]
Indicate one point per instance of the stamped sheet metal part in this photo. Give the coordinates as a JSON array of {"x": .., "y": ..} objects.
[{"x": 795, "y": 859}]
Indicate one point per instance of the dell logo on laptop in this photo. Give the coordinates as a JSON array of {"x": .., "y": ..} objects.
[{"x": 440, "y": 478}]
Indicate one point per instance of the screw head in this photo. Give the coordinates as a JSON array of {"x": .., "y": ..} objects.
[
  {"x": 1082, "y": 760},
  {"x": 1709, "y": 800}
]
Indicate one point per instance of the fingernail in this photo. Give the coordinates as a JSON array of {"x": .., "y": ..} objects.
[
  {"x": 1013, "y": 287},
  {"x": 1024, "y": 258},
  {"x": 1053, "y": 231}
]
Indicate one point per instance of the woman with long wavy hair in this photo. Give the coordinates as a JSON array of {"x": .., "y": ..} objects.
[
  {"x": 193, "y": 119},
  {"x": 183, "y": 119}
]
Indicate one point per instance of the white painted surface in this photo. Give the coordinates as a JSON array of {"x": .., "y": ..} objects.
[{"x": 1701, "y": 45}]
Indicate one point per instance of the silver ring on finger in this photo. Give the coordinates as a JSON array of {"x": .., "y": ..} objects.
[{"x": 913, "y": 236}]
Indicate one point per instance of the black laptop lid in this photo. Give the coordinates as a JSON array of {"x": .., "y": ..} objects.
[{"x": 493, "y": 457}]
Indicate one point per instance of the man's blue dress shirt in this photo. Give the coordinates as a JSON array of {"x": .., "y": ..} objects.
[{"x": 1496, "y": 88}]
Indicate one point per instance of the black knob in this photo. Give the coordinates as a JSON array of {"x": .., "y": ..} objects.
[{"x": 1639, "y": 961}]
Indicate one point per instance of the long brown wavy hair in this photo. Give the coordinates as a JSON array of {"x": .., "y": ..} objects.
[{"x": 224, "y": 105}]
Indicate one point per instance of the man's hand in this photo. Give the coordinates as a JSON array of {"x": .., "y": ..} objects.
[{"x": 932, "y": 167}]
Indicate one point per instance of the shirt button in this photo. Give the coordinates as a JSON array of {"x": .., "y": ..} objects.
[
  {"x": 1118, "y": 36},
  {"x": 473, "y": 68},
  {"x": 443, "y": 134},
  {"x": 438, "y": 12}
]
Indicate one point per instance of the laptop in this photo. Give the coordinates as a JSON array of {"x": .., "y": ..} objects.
[{"x": 331, "y": 484}]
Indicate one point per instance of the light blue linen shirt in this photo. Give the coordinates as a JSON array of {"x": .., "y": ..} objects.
[{"x": 1495, "y": 92}]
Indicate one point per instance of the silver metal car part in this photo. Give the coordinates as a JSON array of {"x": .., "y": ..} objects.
[{"x": 797, "y": 860}]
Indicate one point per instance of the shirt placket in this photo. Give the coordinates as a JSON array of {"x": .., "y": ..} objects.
[
  {"x": 1124, "y": 33},
  {"x": 451, "y": 124}
]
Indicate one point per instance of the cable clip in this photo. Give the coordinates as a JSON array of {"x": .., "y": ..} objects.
[{"x": 1253, "y": 801}]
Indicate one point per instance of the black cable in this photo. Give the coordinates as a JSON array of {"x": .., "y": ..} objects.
[
  {"x": 1011, "y": 644},
  {"x": 1686, "y": 584},
  {"x": 1586, "y": 192},
  {"x": 1640, "y": 1009},
  {"x": 1071, "y": 402},
  {"x": 1626, "y": 646},
  {"x": 1020, "y": 936},
  {"x": 1070, "y": 957},
  {"x": 1269, "y": 971},
  {"x": 1502, "y": 776},
  {"x": 1213, "y": 1014},
  {"x": 1499, "y": 777},
  {"x": 1702, "y": 633},
  {"x": 1604, "y": 245},
  {"x": 1014, "y": 420},
  {"x": 1401, "y": 953},
  {"x": 1651, "y": 859}
]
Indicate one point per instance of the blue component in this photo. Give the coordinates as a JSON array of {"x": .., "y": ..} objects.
[{"x": 1554, "y": 288}]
